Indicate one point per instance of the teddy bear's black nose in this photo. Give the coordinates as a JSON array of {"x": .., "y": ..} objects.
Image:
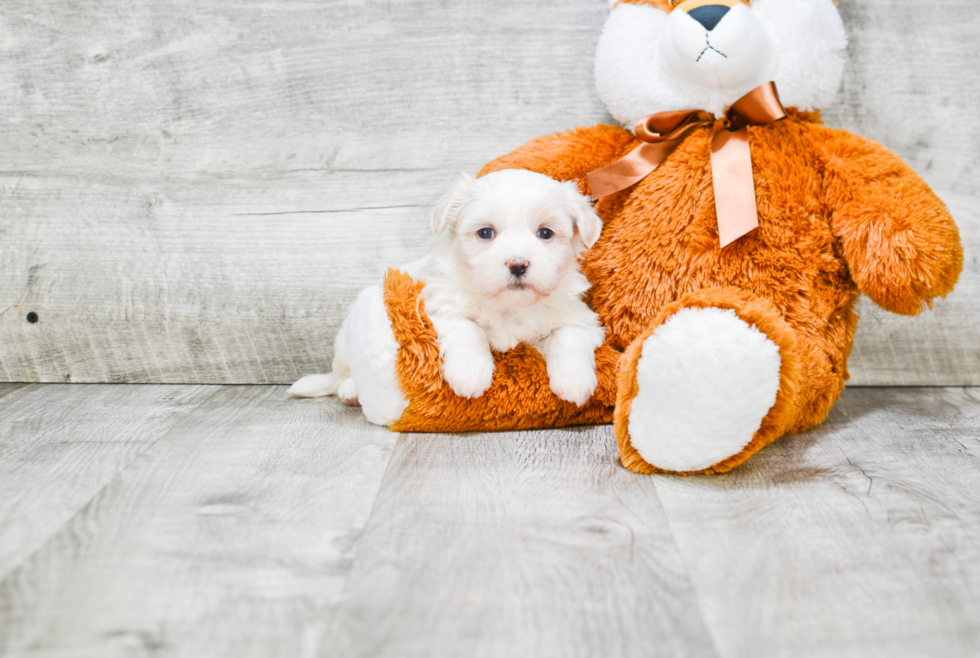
[{"x": 709, "y": 15}]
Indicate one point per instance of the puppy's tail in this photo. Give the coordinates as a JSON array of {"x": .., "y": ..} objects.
[{"x": 315, "y": 386}]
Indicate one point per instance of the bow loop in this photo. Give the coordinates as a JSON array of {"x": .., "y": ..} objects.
[
  {"x": 666, "y": 126},
  {"x": 756, "y": 108},
  {"x": 731, "y": 158}
]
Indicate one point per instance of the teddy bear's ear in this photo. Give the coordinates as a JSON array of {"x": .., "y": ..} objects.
[
  {"x": 446, "y": 211},
  {"x": 588, "y": 225},
  {"x": 665, "y": 5}
]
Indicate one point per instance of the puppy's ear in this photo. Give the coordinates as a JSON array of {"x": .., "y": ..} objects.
[
  {"x": 587, "y": 222},
  {"x": 446, "y": 210}
]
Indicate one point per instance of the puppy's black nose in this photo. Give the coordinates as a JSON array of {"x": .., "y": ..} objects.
[
  {"x": 709, "y": 15},
  {"x": 518, "y": 266}
]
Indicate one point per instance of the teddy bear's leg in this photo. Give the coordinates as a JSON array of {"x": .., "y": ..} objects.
[
  {"x": 371, "y": 353},
  {"x": 709, "y": 384}
]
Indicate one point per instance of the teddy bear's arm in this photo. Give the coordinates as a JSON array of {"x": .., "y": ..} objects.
[
  {"x": 900, "y": 242},
  {"x": 569, "y": 155}
]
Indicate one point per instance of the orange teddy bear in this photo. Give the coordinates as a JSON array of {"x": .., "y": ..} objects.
[{"x": 729, "y": 317}]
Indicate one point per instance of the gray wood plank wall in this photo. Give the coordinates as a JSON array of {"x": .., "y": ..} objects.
[{"x": 194, "y": 191}]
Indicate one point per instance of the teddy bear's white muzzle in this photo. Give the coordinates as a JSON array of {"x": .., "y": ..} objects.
[{"x": 717, "y": 48}]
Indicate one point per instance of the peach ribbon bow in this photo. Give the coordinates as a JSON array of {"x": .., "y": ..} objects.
[{"x": 731, "y": 158}]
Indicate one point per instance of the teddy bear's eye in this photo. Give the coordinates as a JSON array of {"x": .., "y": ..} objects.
[
  {"x": 545, "y": 233},
  {"x": 486, "y": 233}
]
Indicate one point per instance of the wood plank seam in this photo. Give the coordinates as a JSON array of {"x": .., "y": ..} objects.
[
  {"x": 328, "y": 624},
  {"x": 324, "y": 212},
  {"x": 13, "y": 568},
  {"x": 712, "y": 639}
]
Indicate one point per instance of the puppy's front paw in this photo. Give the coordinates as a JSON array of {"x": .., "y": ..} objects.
[
  {"x": 573, "y": 381},
  {"x": 468, "y": 377}
]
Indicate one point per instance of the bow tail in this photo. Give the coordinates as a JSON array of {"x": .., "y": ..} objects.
[
  {"x": 734, "y": 187},
  {"x": 731, "y": 157},
  {"x": 630, "y": 169}
]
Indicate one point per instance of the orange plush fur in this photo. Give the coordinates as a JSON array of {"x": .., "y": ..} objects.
[{"x": 838, "y": 214}]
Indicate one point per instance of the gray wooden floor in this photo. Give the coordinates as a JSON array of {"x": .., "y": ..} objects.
[{"x": 234, "y": 521}]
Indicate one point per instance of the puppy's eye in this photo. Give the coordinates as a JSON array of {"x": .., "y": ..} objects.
[
  {"x": 486, "y": 233},
  {"x": 545, "y": 233}
]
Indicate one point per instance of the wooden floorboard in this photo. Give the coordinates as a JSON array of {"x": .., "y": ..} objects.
[
  {"x": 59, "y": 445},
  {"x": 7, "y": 389},
  {"x": 516, "y": 544},
  {"x": 265, "y": 526},
  {"x": 859, "y": 538},
  {"x": 231, "y": 536}
]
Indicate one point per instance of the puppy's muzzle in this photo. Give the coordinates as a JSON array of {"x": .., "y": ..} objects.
[{"x": 518, "y": 266}]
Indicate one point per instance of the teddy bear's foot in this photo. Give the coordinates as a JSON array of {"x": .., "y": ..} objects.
[
  {"x": 706, "y": 380},
  {"x": 371, "y": 353},
  {"x": 696, "y": 390}
]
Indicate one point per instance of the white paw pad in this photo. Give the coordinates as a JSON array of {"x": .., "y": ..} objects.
[
  {"x": 573, "y": 380},
  {"x": 469, "y": 375},
  {"x": 706, "y": 380}
]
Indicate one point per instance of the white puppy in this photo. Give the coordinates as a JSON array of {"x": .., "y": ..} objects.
[{"x": 504, "y": 271}]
